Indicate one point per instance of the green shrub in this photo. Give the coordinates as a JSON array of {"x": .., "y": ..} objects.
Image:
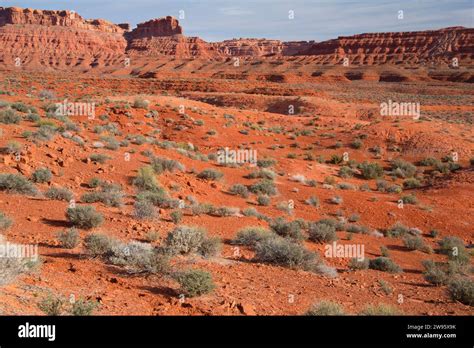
[
  {"x": 13, "y": 147},
  {"x": 146, "y": 179},
  {"x": 265, "y": 187},
  {"x": 263, "y": 200},
  {"x": 17, "y": 183},
  {"x": 99, "y": 158},
  {"x": 402, "y": 168},
  {"x": 9, "y": 116},
  {"x": 144, "y": 210},
  {"x": 5, "y": 222},
  {"x": 141, "y": 103},
  {"x": 83, "y": 308},
  {"x": 356, "y": 264},
  {"x": 313, "y": 201},
  {"x": 59, "y": 194},
  {"x": 380, "y": 309},
  {"x": 455, "y": 249},
  {"x": 239, "y": 189},
  {"x": 356, "y": 144},
  {"x": 384, "y": 264},
  {"x": 210, "y": 247},
  {"x": 262, "y": 174},
  {"x": 111, "y": 197},
  {"x": 409, "y": 199},
  {"x": 85, "y": 217},
  {"x": 51, "y": 305},
  {"x": 397, "y": 230},
  {"x": 416, "y": 243},
  {"x": 283, "y": 252},
  {"x": 437, "y": 273},
  {"x": 250, "y": 236},
  {"x": 411, "y": 183},
  {"x": 160, "y": 165},
  {"x": 176, "y": 216},
  {"x": 287, "y": 229},
  {"x": 371, "y": 170},
  {"x": 69, "y": 239},
  {"x": 346, "y": 172},
  {"x": 210, "y": 174},
  {"x": 462, "y": 289},
  {"x": 322, "y": 233},
  {"x": 266, "y": 162},
  {"x": 195, "y": 282},
  {"x": 98, "y": 244},
  {"x": 185, "y": 240},
  {"x": 325, "y": 308}
]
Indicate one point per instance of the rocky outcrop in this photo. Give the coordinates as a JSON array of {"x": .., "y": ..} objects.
[
  {"x": 397, "y": 48},
  {"x": 63, "y": 39}
]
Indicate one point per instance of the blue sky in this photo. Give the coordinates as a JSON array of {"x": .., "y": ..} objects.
[{"x": 215, "y": 20}]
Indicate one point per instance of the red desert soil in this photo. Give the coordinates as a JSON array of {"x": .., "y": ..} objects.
[{"x": 245, "y": 106}]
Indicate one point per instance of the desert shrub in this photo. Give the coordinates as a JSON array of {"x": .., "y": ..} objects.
[
  {"x": 146, "y": 180},
  {"x": 17, "y": 183},
  {"x": 402, "y": 168},
  {"x": 345, "y": 186},
  {"x": 239, "y": 189},
  {"x": 266, "y": 162},
  {"x": 354, "y": 218},
  {"x": 137, "y": 257},
  {"x": 462, "y": 289},
  {"x": 437, "y": 273},
  {"x": 284, "y": 252},
  {"x": 158, "y": 197},
  {"x": 313, "y": 201},
  {"x": 336, "y": 200},
  {"x": 5, "y": 222},
  {"x": 13, "y": 147},
  {"x": 356, "y": 264},
  {"x": 160, "y": 165},
  {"x": 51, "y": 305},
  {"x": 140, "y": 103},
  {"x": 321, "y": 232},
  {"x": 353, "y": 228},
  {"x": 346, "y": 172},
  {"x": 265, "y": 186},
  {"x": 263, "y": 200},
  {"x": 251, "y": 235},
  {"x": 98, "y": 244},
  {"x": 394, "y": 189},
  {"x": 59, "y": 194},
  {"x": 454, "y": 248},
  {"x": 111, "y": 197},
  {"x": 83, "y": 307},
  {"x": 99, "y": 158},
  {"x": 384, "y": 264},
  {"x": 9, "y": 116},
  {"x": 210, "y": 174},
  {"x": 210, "y": 247},
  {"x": 416, "y": 243},
  {"x": 144, "y": 210},
  {"x": 411, "y": 183},
  {"x": 325, "y": 308},
  {"x": 380, "y": 309},
  {"x": 202, "y": 208},
  {"x": 225, "y": 211},
  {"x": 85, "y": 217},
  {"x": 397, "y": 230},
  {"x": 195, "y": 282},
  {"x": 371, "y": 170},
  {"x": 41, "y": 175},
  {"x": 262, "y": 174},
  {"x": 176, "y": 216},
  {"x": 69, "y": 239},
  {"x": 356, "y": 144},
  {"x": 185, "y": 240},
  {"x": 110, "y": 142},
  {"x": 287, "y": 229}
]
